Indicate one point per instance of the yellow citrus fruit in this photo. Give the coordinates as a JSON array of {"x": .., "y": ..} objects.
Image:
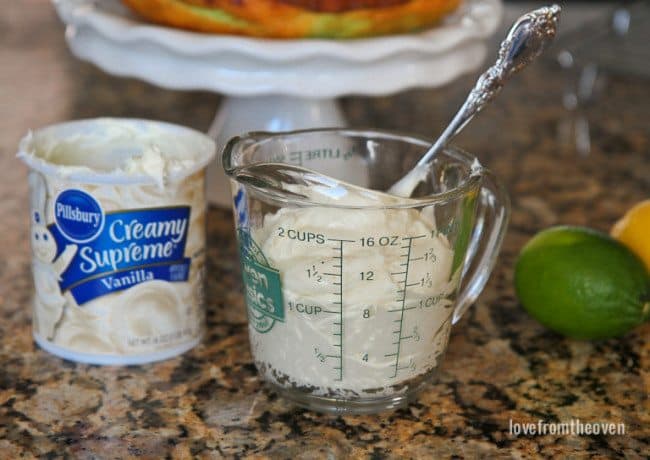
[{"x": 633, "y": 230}]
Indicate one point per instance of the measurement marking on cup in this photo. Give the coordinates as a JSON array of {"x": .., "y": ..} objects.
[
  {"x": 402, "y": 303},
  {"x": 338, "y": 295}
]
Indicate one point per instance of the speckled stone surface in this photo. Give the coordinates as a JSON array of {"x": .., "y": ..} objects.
[{"x": 501, "y": 365}]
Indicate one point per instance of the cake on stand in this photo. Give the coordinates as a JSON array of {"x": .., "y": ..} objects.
[{"x": 275, "y": 85}]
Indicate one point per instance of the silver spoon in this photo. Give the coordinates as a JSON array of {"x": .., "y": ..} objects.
[{"x": 526, "y": 40}]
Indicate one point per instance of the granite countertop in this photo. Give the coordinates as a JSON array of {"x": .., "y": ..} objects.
[{"x": 500, "y": 366}]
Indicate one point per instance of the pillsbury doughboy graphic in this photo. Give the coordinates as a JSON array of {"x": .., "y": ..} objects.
[{"x": 49, "y": 302}]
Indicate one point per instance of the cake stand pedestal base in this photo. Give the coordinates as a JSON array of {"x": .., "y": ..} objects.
[{"x": 238, "y": 115}]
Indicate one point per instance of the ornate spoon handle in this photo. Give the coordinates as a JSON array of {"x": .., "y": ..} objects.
[{"x": 526, "y": 40}]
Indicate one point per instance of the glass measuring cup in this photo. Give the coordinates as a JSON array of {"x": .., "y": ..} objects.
[{"x": 351, "y": 293}]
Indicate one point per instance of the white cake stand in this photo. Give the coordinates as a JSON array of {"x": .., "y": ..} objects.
[{"x": 275, "y": 85}]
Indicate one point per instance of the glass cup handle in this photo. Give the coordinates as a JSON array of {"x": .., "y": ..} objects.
[{"x": 492, "y": 215}]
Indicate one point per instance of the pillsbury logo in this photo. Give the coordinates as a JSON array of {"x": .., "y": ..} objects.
[{"x": 78, "y": 216}]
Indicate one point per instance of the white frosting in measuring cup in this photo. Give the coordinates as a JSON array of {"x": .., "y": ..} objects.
[
  {"x": 118, "y": 238},
  {"x": 367, "y": 295}
]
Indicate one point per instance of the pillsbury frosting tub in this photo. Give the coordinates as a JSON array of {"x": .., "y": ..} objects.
[{"x": 118, "y": 238}]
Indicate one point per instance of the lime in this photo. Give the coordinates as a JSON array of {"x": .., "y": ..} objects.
[{"x": 582, "y": 283}]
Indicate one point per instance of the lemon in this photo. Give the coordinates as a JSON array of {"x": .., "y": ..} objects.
[
  {"x": 633, "y": 230},
  {"x": 582, "y": 283}
]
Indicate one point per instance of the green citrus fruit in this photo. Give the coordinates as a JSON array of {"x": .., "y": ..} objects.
[{"x": 582, "y": 283}]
